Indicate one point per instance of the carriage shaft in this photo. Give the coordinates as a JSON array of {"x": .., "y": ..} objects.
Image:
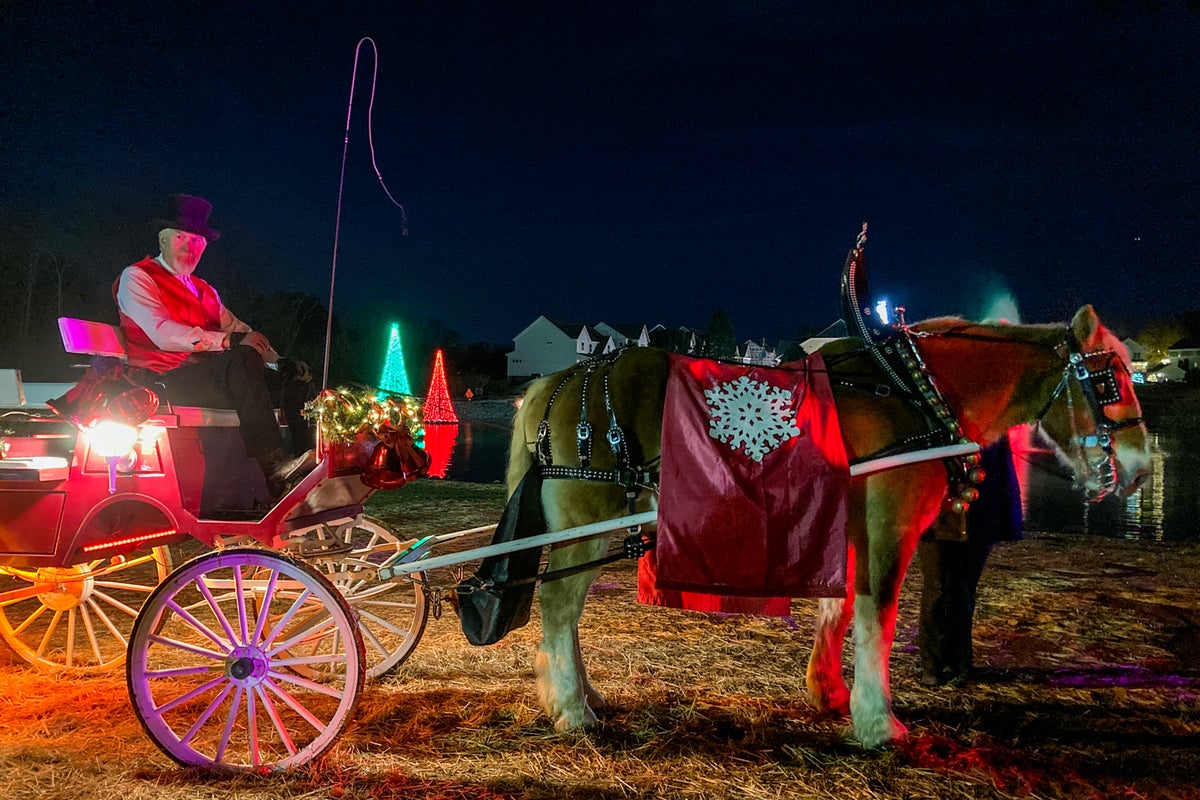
[{"x": 389, "y": 571}]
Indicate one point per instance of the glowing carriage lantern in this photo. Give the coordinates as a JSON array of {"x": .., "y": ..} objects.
[{"x": 121, "y": 435}]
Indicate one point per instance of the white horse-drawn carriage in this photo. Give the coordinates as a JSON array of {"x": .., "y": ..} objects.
[{"x": 252, "y": 654}]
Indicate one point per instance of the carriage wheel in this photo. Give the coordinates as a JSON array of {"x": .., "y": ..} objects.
[
  {"x": 391, "y": 614},
  {"x": 82, "y": 621},
  {"x": 212, "y": 660}
]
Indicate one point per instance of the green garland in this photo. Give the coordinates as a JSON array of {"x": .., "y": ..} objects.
[{"x": 344, "y": 414}]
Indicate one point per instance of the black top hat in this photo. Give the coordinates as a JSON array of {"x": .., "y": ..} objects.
[{"x": 186, "y": 212}]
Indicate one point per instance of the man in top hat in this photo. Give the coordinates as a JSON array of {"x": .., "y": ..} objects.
[{"x": 175, "y": 324}]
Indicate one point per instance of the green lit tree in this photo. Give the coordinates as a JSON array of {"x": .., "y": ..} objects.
[{"x": 395, "y": 376}]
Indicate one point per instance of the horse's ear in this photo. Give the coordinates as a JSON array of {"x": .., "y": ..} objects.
[{"x": 1087, "y": 329}]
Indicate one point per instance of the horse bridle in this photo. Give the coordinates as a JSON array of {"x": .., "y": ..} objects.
[{"x": 1100, "y": 389}]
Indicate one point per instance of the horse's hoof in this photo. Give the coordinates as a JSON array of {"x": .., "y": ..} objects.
[
  {"x": 836, "y": 703},
  {"x": 594, "y": 699},
  {"x": 872, "y": 737},
  {"x": 571, "y": 722}
]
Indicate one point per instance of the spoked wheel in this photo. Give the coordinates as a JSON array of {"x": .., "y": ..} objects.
[
  {"x": 78, "y": 618},
  {"x": 391, "y": 614},
  {"x": 212, "y": 668}
]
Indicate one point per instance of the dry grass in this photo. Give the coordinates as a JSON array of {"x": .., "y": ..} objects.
[{"x": 1090, "y": 651}]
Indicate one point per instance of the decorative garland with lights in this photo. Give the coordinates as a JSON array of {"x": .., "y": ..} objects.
[{"x": 344, "y": 415}]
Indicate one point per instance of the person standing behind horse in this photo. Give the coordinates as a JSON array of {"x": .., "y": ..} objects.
[
  {"x": 175, "y": 325},
  {"x": 952, "y": 562}
]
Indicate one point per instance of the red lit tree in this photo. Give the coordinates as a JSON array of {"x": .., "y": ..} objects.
[{"x": 438, "y": 409}]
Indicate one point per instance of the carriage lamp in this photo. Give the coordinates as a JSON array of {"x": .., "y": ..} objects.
[
  {"x": 112, "y": 440},
  {"x": 115, "y": 442}
]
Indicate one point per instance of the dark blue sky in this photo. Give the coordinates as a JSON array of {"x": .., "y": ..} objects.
[{"x": 645, "y": 162}]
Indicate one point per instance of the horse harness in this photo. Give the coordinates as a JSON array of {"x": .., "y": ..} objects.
[
  {"x": 894, "y": 350},
  {"x": 1100, "y": 389},
  {"x": 633, "y": 478},
  {"x": 625, "y": 473}
]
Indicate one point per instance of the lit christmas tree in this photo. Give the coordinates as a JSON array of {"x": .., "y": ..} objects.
[
  {"x": 438, "y": 408},
  {"x": 395, "y": 377}
]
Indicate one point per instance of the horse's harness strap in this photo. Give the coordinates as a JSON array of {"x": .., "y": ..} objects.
[
  {"x": 625, "y": 473},
  {"x": 893, "y": 349},
  {"x": 626, "y": 476},
  {"x": 1099, "y": 389}
]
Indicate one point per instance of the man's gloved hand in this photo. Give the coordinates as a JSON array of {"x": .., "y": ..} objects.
[
  {"x": 295, "y": 370},
  {"x": 251, "y": 339}
]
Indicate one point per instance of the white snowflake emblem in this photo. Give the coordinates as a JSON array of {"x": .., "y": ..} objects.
[{"x": 752, "y": 416}]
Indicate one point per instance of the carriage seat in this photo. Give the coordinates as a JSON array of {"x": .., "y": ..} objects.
[{"x": 84, "y": 337}]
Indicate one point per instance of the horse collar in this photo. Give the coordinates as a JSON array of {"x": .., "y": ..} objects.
[{"x": 893, "y": 348}]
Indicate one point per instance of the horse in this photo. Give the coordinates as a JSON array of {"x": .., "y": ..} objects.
[{"x": 994, "y": 377}]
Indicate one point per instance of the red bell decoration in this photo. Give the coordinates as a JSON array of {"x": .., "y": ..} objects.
[
  {"x": 412, "y": 459},
  {"x": 385, "y": 472},
  {"x": 395, "y": 461}
]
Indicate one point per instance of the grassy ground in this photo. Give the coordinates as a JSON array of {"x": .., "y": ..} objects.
[{"x": 1090, "y": 656}]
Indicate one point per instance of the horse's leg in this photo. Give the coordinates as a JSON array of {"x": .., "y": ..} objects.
[
  {"x": 827, "y": 690},
  {"x": 897, "y": 512},
  {"x": 563, "y": 687},
  {"x": 590, "y": 693}
]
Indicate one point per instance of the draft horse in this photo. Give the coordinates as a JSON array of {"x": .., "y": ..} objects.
[{"x": 994, "y": 377}]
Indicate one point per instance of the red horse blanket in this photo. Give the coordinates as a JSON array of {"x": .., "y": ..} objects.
[{"x": 752, "y": 504}]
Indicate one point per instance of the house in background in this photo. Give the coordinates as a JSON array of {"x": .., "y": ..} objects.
[
  {"x": 1165, "y": 373},
  {"x": 548, "y": 345},
  {"x": 1137, "y": 351},
  {"x": 1138, "y": 367},
  {"x": 758, "y": 353},
  {"x": 678, "y": 340},
  {"x": 1185, "y": 354}
]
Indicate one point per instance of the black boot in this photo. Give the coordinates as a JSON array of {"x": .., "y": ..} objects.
[{"x": 283, "y": 473}]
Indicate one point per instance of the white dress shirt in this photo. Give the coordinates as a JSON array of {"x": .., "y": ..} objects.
[{"x": 139, "y": 299}]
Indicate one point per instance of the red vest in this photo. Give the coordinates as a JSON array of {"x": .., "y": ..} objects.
[{"x": 204, "y": 312}]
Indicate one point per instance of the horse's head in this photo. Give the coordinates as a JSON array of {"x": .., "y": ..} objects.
[{"x": 1094, "y": 417}]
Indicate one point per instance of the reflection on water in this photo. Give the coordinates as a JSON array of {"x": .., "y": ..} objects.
[
  {"x": 1167, "y": 508},
  {"x": 439, "y": 444},
  {"x": 472, "y": 451}
]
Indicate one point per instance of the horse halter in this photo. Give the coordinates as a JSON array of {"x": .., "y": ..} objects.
[{"x": 1100, "y": 389}]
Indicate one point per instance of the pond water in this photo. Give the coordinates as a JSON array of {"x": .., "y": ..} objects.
[
  {"x": 1166, "y": 509},
  {"x": 472, "y": 451}
]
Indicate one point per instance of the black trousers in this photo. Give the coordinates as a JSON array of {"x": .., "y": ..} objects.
[
  {"x": 238, "y": 379},
  {"x": 950, "y": 574}
]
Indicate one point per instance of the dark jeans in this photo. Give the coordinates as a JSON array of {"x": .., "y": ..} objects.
[
  {"x": 950, "y": 572},
  {"x": 237, "y": 379}
]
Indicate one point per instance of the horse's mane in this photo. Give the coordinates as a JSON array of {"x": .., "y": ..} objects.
[
  {"x": 1019, "y": 331},
  {"x": 1043, "y": 333}
]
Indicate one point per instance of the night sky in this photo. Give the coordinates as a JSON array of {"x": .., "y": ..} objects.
[{"x": 642, "y": 162}]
